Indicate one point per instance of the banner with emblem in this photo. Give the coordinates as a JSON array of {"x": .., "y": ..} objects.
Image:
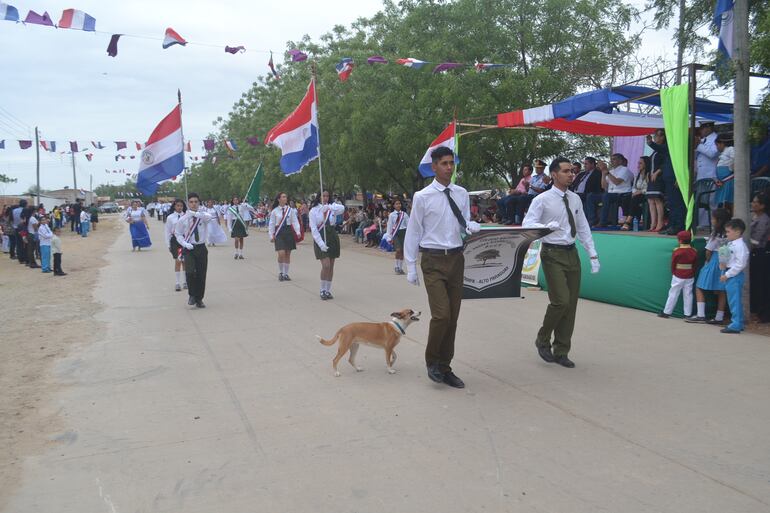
[
  {"x": 531, "y": 268},
  {"x": 494, "y": 258}
]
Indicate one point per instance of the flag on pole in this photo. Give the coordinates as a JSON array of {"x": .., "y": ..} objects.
[
  {"x": 272, "y": 67},
  {"x": 77, "y": 20},
  {"x": 297, "y": 135},
  {"x": 8, "y": 12},
  {"x": 252, "y": 196},
  {"x": 446, "y": 138},
  {"x": 172, "y": 38},
  {"x": 345, "y": 68},
  {"x": 723, "y": 20},
  {"x": 163, "y": 156}
]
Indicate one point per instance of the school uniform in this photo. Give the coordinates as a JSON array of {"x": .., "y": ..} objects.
[
  {"x": 216, "y": 234},
  {"x": 322, "y": 219},
  {"x": 140, "y": 237},
  {"x": 708, "y": 278},
  {"x": 282, "y": 226},
  {"x": 171, "y": 243},
  {"x": 191, "y": 232},
  {"x": 237, "y": 223},
  {"x": 736, "y": 263},
  {"x": 683, "y": 263},
  {"x": 85, "y": 223},
  {"x": 395, "y": 233},
  {"x": 45, "y": 235},
  {"x": 57, "y": 254}
]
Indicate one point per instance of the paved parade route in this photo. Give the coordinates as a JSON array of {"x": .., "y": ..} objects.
[{"x": 235, "y": 409}]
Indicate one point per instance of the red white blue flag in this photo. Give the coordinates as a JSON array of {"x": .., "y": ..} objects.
[
  {"x": 163, "y": 155},
  {"x": 446, "y": 138},
  {"x": 297, "y": 135},
  {"x": 345, "y": 68},
  {"x": 77, "y": 20},
  {"x": 172, "y": 38}
]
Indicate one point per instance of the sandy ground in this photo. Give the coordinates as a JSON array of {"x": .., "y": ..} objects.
[{"x": 42, "y": 319}]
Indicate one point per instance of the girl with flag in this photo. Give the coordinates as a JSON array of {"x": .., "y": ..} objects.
[
  {"x": 396, "y": 232},
  {"x": 283, "y": 226},
  {"x": 136, "y": 217},
  {"x": 322, "y": 218},
  {"x": 178, "y": 209},
  {"x": 236, "y": 224}
]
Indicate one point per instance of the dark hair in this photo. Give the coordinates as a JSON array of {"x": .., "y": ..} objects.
[
  {"x": 441, "y": 152},
  {"x": 277, "y": 197},
  {"x": 527, "y": 165},
  {"x": 577, "y": 165},
  {"x": 736, "y": 224},
  {"x": 764, "y": 200},
  {"x": 621, "y": 157},
  {"x": 591, "y": 160},
  {"x": 393, "y": 203},
  {"x": 647, "y": 163},
  {"x": 23, "y": 203},
  {"x": 236, "y": 196},
  {"x": 179, "y": 200},
  {"x": 319, "y": 197},
  {"x": 722, "y": 217},
  {"x": 193, "y": 195},
  {"x": 556, "y": 163},
  {"x": 539, "y": 163},
  {"x": 725, "y": 139}
]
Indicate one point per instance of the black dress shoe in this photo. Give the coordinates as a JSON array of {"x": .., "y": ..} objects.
[
  {"x": 452, "y": 380},
  {"x": 190, "y": 300},
  {"x": 435, "y": 374},
  {"x": 60, "y": 274},
  {"x": 545, "y": 353},
  {"x": 199, "y": 304},
  {"x": 286, "y": 277},
  {"x": 564, "y": 361}
]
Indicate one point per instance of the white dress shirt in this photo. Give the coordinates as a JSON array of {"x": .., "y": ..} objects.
[
  {"x": 317, "y": 217},
  {"x": 32, "y": 225},
  {"x": 171, "y": 221},
  {"x": 706, "y": 154},
  {"x": 16, "y": 213},
  {"x": 393, "y": 221},
  {"x": 184, "y": 223},
  {"x": 245, "y": 212},
  {"x": 739, "y": 258},
  {"x": 621, "y": 173},
  {"x": 727, "y": 158},
  {"x": 44, "y": 235},
  {"x": 85, "y": 217},
  {"x": 432, "y": 224},
  {"x": 548, "y": 207},
  {"x": 55, "y": 244},
  {"x": 134, "y": 214},
  {"x": 277, "y": 214}
]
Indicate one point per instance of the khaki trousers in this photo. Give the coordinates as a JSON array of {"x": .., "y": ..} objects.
[
  {"x": 443, "y": 277},
  {"x": 562, "y": 273}
]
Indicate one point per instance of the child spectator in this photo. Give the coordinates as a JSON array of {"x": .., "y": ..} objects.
[
  {"x": 56, "y": 250},
  {"x": 708, "y": 279},
  {"x": 44, "y": 235},
  {"x": 683, "y": 276},
  {"x": 733, "y": 276},
  {"x": 85, "y": 222}
]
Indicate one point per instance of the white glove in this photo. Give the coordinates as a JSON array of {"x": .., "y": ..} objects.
[
  {"x": 387, "y": 237},
  {"x": 187, "y": 246},
  {"x": 595, "y": 265},
  {"x": 553, "y": 225},
  {"x": 324, "y": 248},
  {"x": 412, "y": 277},
  {"x": 472, "y": 227}
]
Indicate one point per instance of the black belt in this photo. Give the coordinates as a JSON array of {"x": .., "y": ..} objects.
[
  {"x": 432, "y": 251},
  {"x": 558, "y": 246}
]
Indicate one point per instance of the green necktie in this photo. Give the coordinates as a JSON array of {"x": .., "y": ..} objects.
[{"x": 572, "y": 229}]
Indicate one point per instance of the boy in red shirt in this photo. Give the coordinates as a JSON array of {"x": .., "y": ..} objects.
[{"x": 683, "y": 263}]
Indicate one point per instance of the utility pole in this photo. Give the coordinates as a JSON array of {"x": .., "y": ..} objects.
[
  {"x": 74, "y": 174},
  {"x": 37, "y": 164},
  {"x": 91, "y": 187},
  {"x": 741, "y": 122}
]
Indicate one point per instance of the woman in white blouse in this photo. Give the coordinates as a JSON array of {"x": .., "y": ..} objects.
[
  {"x": 136, "y": 217},
  {"x": 724, "y": 181},
  {"x": 396, "y": 232},
  {"x": 322, "y": 219},
  {"x": 282, "y": 227},
  {"x": 178, "y": 208}
]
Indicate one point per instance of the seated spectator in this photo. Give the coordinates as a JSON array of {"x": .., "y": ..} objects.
[
  {"x": 617, "y": 183},
  {"x": 638, "y": 194},
  {"x": 511, "y": 208},
  {"x": 586, "y": 183},
  {"x": 364, "y": 223},
  {"x": 760, "y": 258},
  {"x": 594, "y": 190}
]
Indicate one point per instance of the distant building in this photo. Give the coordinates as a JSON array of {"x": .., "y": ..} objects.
[
  {"x": 47, "y": 200},
  {"x": 72, "y": 195}
]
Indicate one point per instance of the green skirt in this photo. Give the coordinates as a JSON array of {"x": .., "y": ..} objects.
[
  {"x": 398, "y": 240},
  {"x": 284, "y": 239},
  {"x": 333, "y": 243},
  {"x": 239, "y": 230}
]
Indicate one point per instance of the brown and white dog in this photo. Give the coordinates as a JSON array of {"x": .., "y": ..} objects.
[{"x": 386, "y": 335}]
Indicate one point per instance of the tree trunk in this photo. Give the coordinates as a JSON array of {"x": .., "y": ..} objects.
[{"x": 680, "y": 41}]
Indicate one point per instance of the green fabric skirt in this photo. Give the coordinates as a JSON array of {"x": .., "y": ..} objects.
[
  {"x": 239, "y": 230},
  {"x": 398, "y": 240},
  {"x": 284, "y": 239},
  {"x": 332, "y": 241}
]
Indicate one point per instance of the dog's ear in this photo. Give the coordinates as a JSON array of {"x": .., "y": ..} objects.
[{"x": 397, "y": 315}]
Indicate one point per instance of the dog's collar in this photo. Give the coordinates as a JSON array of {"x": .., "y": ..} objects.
[{"x": 398, "y": 326}]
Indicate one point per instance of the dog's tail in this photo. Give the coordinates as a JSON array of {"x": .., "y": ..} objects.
[{"x": 329, "y": 342}]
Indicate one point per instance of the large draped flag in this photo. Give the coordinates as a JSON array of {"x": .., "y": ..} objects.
[
  {"x": 674, "y": 102},
  {"x": 252, "y": 195},
  {"x": 8, "y": 12},
  {"x": 297, "y": 135},
  {"x": 723, "y": 20},
  {"x": 446, "y": 138},
  {"x": 77, "y": 20},
  {"x": 172, "y": 38},
  {"x": 163, "y": 155}
]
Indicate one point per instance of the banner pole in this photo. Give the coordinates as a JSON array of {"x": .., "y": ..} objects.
[
  {"x": 181, "y": 132},
  {"x": 315, "y": 101}
]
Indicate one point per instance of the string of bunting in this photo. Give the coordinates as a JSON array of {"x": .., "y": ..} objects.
[{"x": 79, "y": 20}]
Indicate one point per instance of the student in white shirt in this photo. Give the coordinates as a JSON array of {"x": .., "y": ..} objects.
[
  {"x": 395, "y": 233},
  {"x": 191, "y": 231},
  {"x": 439, "y": 219},
  {"x": 216, "y": 234},
  {"x": 617, "y": 183},
  {"x": 33, "y": 247},
  {"x": 237, "y": 224},
  {"x": 179, "y": 208},
  {"x": 45, "y": 235},
  {"x": 282, "y": 227},
  {"x": 57, "y": 252},
  {"x": 733, "y": 276},
  {"x": 85, "y": 222},
  {"x": 326, "y": 246},
  {"x": 562, "y": 211}
]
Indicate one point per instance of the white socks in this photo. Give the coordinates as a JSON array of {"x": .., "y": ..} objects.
[
  {"x": 283, "y": 268},
  {"x": 178, "y": 277},
  {"x": 702, "y": 309},
  {"x": 326, "y": 286},
  {"x": 720, "y": 316},
  {"x": 399, "y": 265},
  {"x": 238, "y": 252}
]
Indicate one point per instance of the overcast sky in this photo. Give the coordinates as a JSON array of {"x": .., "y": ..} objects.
[{"x": 64, "y": 82}]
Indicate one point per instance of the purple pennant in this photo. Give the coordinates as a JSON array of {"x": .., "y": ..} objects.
[
  {"x": 2, "y": 144},
  {"x": 235, "y": 49},
  {"x": 73, "y": 146},
  {"x": 112, "y": 48},
  {"x": 121, "y": 145},
  {"x": 25, "y": 145},
  {"x": 297, "y": 56},
  {"x": 376, "y": 59},
  {"x": 36, "y": 19},
  {"x": 252, "y": 140},
  {"x": 208, "y": 144},
  {"x": 445, "y": 66}
]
